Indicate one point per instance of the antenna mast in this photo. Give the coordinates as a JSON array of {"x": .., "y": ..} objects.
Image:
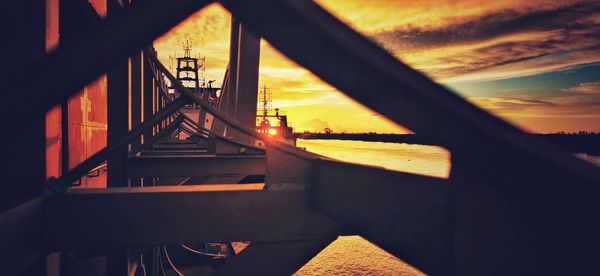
[
  {"x": 265, "y": 101},
  {"x": 187, "y": 49}
]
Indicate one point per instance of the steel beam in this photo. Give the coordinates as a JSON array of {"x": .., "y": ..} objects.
[
  {"x": 118, "y": 116},
  {"x": 135, "y": 100},
  {"x": 218, "y": 126},
  {"x": 224, "y": 145},
  {"x": 405, "y": 214},
  {"x": 231, "y": 97},
  {"x": 148, "y": 90},
  {"x": 192, "y": 145},
  {"x": 122, "y": 217},
  {"x": 118, "y": 123},
  {"x": 199, "y": 165},
  {"x": 168, "y": 130},
  {"x": 242, "y": 86},
  {"x": 136, "y": 94},
  {"x": 95, "y": 160},
  {"x": 174, "y": 153},
  {"x": 247, "y": 77}
]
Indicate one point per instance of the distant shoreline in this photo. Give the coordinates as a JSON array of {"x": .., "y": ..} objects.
[
  {"x": 576, "y": 142},
  {"x": 369, "y": 137}
]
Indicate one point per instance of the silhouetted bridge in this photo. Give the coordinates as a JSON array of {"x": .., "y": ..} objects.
[{"x": 513, "y": 204}]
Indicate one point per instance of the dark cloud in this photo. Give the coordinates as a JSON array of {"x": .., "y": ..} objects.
[
  {"x": 499, "y": 38},
  {"x": 578, "y": 106},
  {"x": 561, "y": 106},
  {"x": 509, "y": 53},
  {"x": 571, "y": 19}
]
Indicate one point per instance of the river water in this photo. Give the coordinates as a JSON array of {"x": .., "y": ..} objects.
[
  {"x": 352, "y": 255},
  {"x": 418, "y": 159}
]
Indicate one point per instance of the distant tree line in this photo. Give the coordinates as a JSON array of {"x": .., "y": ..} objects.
[
  {"x": 369, "y": 136},
  {"x": 578, "y": 142},
  {"x": 581, "y": 132}
]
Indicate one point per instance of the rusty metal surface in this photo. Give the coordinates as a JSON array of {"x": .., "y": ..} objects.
[{"x": 103, "y": 154}]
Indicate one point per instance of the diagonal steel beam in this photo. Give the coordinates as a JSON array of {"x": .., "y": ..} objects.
[
  {"x": 372, "y": 76},
  {"x": 168, "y": 130},
  {"x": 519, "y": 205},
  {"x": 94, "y": 160}
]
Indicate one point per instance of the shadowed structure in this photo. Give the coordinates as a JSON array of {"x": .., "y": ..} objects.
[{"x": 513, "y": 204}]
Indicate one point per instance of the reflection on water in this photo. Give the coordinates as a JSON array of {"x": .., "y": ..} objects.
[
  {"x": 590, "y": 158},
  {"x": 419, "y": 159},
  {"x": 354, "y": 255}
]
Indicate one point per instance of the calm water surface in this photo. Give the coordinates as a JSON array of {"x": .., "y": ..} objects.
[
  {"x": 419, "y": 159},
  {"x": 352, "y": 255}
]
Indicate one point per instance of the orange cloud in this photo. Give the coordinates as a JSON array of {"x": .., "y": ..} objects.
[
  {"x": 452, "y": 41},
  {"x": 386, "y": 15},
  {"x": 585, "y": 88}
]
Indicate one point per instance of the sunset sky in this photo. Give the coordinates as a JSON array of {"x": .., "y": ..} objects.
[{"x": 534, "y": 63}]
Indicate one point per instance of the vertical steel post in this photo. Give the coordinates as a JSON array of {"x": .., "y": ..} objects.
[
  {"x": 136, "y": 94},
  {"x": 247, "y": 80},
  {"x": 242, "y": 88},
  {"x": 147, "y": 88},
  {"x": 147, "y": 98},
  {"x": 118, "y": 126},
  {"x": 118, "y": 114},
  {"x": 231, "y": 97},
  {"x": 136, "y": 101}
]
